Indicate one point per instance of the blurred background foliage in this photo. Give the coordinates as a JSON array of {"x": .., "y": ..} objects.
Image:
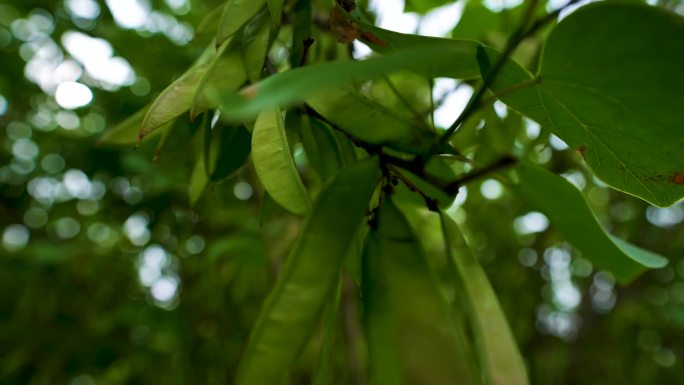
[{"x": 108, "y": 275}]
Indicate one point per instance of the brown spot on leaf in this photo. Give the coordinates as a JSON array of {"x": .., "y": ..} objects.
[
  {"x": 582, "y": 149},
  {"x": 249, "y": 92},
  {"x": 342, "y": 27},
  {"x": 678, "y": 178},
  {"x": 372, "y": 39}
]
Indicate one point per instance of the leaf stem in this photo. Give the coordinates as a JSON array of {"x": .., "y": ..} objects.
[{"x": 522, "y": 32}]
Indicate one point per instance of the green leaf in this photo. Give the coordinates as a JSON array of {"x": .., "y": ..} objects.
[
  {"x": 226, "y": 72},
  {"x": 234, "y": 16},
  {"x": 126, "y": 132},
  {"x": 189, "y": 89},
  {"x": 497, "y": 350},
  {"x": 226, "y": 149},
  {"x": 274, "y": 164},
  {"x": 289, "y": 315},
  {"x": 423, "y": 6},
  {"x": 198, "y": 181},
  {"x": 301, "y": 30},
  {"x": 408, "y": 323},
  {"x": 320, "y": 146},
  {"x": 616, "y": 97},
  {"x": 210, "y": 21},
  {"x": 370, "y": 121},
  {"x": 275, "y": 8},
  {"x": 288, "y": 87},
  {"x": 570, "y": 215},
  {"x": 325, "y": 374},
  {"x": 255, "y": 45}
]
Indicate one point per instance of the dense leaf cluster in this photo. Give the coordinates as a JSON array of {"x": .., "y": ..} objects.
[{"x": 309, "y": 219}]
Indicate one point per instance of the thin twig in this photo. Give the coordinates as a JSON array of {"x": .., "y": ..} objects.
[
  {"x": 506, "y": 161},
  {"x": 521, "y": 34}
]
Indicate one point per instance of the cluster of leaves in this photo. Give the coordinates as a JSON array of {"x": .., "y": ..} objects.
[
  {"x": 618, "y": 113},
  {"x": 350, "y": 149}
]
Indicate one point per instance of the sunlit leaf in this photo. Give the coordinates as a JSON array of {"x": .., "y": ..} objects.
[
  {"x": 188, "y": 91},
  {"x": 274, "y": 163}
]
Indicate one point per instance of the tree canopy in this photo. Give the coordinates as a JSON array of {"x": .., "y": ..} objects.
[{"x": 341, "y": 192}]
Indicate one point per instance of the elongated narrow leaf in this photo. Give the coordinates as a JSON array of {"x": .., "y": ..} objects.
[
  {"x": 301, "y": 30},
  {"x": 126, "y": 132},
  {"x": 370, "y": 121},
  {"x": 617, "y": 98},
  {"x": 210, "y": 21},
  {"x": 294, "y": 305},
  {"x": 459, "y": 55},
  {"x": 324, "y": 372},
  {"x": 189, "y": 89},
  {"x": 410, "y": 336},
  {"x": 497, "y": 350},
  {"x": 235, "y": 14},
  {"x": 255, "y": 45},
  {"x": 275, "y": 8},
  {"x": 295, "y": 85},
  {"x": 320, "y": 146},
  {"x": 226, "y": 149},
  {"x": 570, "y": 215},
  {"x": 225, "y": 73},
  {"x": 198, "y": 181},
  {"x": 274, "y": 164}
]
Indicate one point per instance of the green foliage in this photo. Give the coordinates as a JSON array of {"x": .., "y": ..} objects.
[
  {"x": 603, "y": 102},
  {"x": 298, "y": 215},
  {"x": 572, "y": 217}
]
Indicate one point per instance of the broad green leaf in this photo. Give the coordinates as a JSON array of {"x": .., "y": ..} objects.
[
  {"x": 275, "y": 8},
  {"x": 293, "y": 307},
  {"x": 236, "y": 14},
  {"x": 226, "y": 149},
  {"x": 497, "y": 351},
  {"x": 126, "y": 132},
  {"x": 189, "y": 89},
  {"x": 295, "y": 85},
  {"x": 370, "y": 121},
  {"x": 570, "y": 215},
  {"x": 255, "y": 45},
  {"x": 616, "y": 97},
  {"x": 408, "y": 323},
  {"x": 274, "y": 164}
]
